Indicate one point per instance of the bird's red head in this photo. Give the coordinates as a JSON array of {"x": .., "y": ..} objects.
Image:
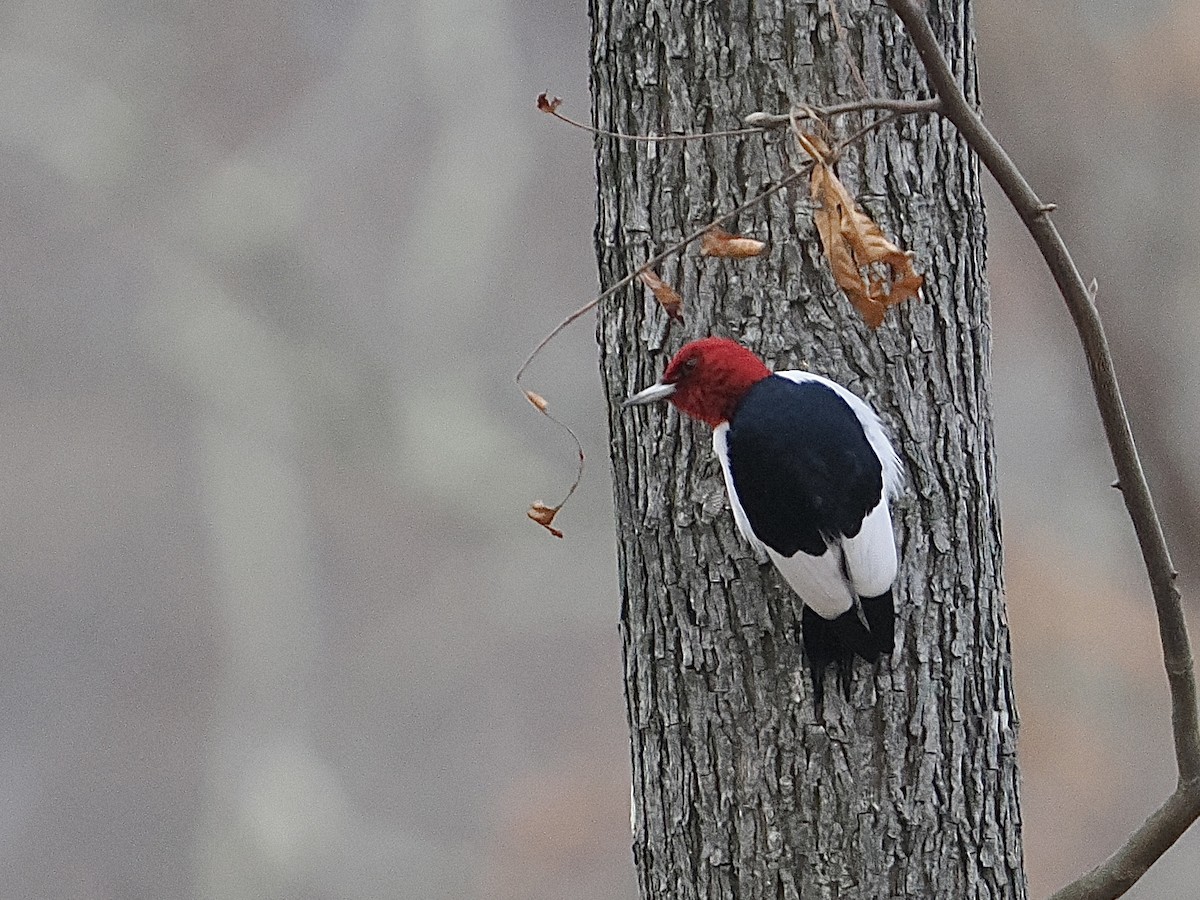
[{"x": 707, "y": 379}]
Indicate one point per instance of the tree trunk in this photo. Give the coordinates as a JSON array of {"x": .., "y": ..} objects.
[{"x": 909, "y": 790}]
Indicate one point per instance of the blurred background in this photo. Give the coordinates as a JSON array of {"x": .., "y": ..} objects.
[{"x": 276, "y": 625}]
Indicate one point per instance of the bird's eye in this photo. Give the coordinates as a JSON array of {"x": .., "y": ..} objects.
[{"x": 690, "y": 364}]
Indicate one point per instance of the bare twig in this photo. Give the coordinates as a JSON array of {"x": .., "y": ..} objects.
[
  {"x": 784, "y": 120},
  {"x": 551, "y": 108},
  {"x": 1120, "y": 872},
  {"x": 628, "y": 279},
  {"x": 552, "y": 511},
  {"x": 655, "y": 260},
  {"x": 1162, "y": 829},
  {"x": 720, "y": 220},
  {"x": 755, "y": 123}
]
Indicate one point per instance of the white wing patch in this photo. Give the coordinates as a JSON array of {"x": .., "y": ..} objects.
[
  {"x": 868, "y": 559},
  {"x": 871, "y": 554},
  {"x": 818, "y": 580}
]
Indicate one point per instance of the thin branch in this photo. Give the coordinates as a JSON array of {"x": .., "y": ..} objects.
[
  {"x": 755, "y": 123},
  {"x": 628, "y": 279},
  {"x": 655, "y": 260},
  {"x": 783, "y": 120},
  {"x": 1122, "y": 870},
  {"x": 551, "y": 108},
  {"x": 1156, "y": 835},
  {"x": 579, "y": 469},
  {"x": 725, "y": 217}
]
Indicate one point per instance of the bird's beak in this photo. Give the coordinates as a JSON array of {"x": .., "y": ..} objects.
[{"x": 658, "y": 391}]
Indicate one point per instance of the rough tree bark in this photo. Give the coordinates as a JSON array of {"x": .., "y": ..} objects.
[{"x": 910, "y": 790}]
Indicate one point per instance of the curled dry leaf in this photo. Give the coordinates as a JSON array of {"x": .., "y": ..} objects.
[
  {"x": 667, "y": 297},
  {"x": 544, "y": 516},
  {"x": 537, "y": 400},
  {"x": 720, "y": 243},
  {"x": 547, "y": 104},
  {"x": 874, "y": 272},
  {"x": 540, "y": 512}
]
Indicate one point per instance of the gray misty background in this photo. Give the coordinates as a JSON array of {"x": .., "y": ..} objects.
[{"x": 276, "y": 625}]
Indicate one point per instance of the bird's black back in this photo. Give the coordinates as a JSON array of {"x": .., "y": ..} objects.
[{"x": 802, "y": 466}]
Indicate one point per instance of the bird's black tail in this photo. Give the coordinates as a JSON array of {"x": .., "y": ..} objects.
[
  {"x": 880, "y": 613},
  {"x": 837, "y": 641}
]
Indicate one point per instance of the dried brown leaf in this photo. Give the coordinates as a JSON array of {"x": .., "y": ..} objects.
[
  {"x": 814, "y": 146},
  {"x": 547, "y": 104},
  {"x": 720, "y": 243},
  {"x": 874, "y": 272},
  {"x": 668, "y": 298},
  {"x": 537, "y": 400},
  {"x": 544, "y": 516}
]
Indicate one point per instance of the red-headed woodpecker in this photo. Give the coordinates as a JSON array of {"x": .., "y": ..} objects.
[{"x": 810, "y": 473}]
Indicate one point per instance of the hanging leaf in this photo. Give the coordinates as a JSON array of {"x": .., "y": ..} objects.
[
  {"x": 720, "y": 243},
  {"x": 874, "y": 273},
  {"x": 544, "y": 516},
  {"x": 537, "y": 400},
  {"x": 668, "y": 298},
  {"x": 540, "y": 512},
  {"x": 547, "y": 104}
]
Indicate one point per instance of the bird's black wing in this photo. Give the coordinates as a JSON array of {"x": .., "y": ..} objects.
[{"x": 802, "y": 466}]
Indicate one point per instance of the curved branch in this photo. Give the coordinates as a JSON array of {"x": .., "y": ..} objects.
[
  {"x": 1157, "y": 834},
  {"x": 1121, "y": 871}
]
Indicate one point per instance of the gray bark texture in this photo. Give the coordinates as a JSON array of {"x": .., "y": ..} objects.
[{"x": 911, "y": 788}]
